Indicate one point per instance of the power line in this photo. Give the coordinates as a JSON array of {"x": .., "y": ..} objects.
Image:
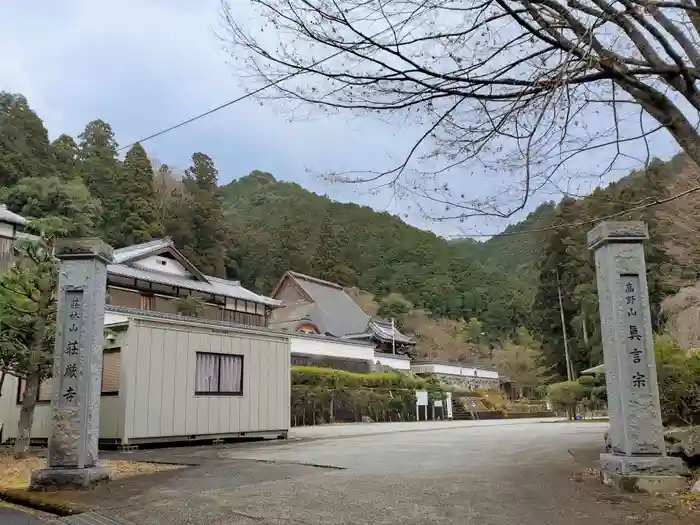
[
  {"x": 247, "y": 95},
  {"x": 339, "y": 52},
  {"x": 588, "y": 221}
]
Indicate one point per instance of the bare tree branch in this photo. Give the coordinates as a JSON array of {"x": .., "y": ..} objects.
[{"x": 509, "y": 90}]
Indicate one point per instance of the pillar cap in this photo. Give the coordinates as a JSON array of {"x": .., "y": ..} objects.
[
  {"x": 83, "y": 248},
  {"x": 617, "y": 231}
]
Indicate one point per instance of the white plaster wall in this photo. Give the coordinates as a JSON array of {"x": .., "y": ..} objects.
[
  {"x": 320, "y": 346},
  {"x": 171, "y": 266},
  {"x": 7, "y": 230},
  {"x": 158, "y": 378},
  {"x": 454, "y": 370}
]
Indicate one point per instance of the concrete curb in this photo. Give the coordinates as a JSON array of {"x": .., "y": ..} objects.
[{"x": 43, "y": 501}]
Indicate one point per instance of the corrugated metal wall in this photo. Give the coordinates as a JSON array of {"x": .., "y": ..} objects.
[
  {"x": 156, "y": 391},
  {"x": 158, "y": 370}
]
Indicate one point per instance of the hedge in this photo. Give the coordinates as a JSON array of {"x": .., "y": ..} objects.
[{"x": 323, "y": 395}]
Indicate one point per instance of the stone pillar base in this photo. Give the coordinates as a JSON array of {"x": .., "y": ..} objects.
[
  {"x": 653, "y": 474},
  {"x": 55, "y": 479}
]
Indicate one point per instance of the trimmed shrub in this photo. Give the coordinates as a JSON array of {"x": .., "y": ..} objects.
[{"x": 323, "y": 395}]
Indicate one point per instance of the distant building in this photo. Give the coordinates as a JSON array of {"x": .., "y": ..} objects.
[
  {"x": 315, "y": 306},
  {"x": 458, "y": 374},
  {"x": 312, "y": 305},
  {"x": 11, "y": 225},
  {"x": 151, "y": 275}
]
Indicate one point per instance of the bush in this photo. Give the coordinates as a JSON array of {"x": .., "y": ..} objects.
[
  {"x": 323, "y": 395},
  {"x": 567, "y": 396},
  {"x": 679, "y": 382}
]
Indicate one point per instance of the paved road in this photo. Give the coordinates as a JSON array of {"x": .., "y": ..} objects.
[
  {"x": 498, "y": 473},
  {"x": 12, "y": 515}
]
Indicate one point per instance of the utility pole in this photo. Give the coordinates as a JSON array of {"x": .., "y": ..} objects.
[
  {"x": 393, "y": 337},
  {"x": 569, "y": 370}
]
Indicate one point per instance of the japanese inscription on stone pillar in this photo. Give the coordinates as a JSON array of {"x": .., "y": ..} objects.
[
  {"x": 638, "y": 384},
  {"x": 70, "y": 363},
  {"x": 634, "y": 333}
]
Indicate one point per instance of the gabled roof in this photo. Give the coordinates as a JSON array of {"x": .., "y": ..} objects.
[
  {"x": 10, "y": 217},
  {"x": 131, "y": 254},
  {"x": 339, "y": 314},
  {"x": 124, "y": 258},
  {"x": 335, "y": 312}
]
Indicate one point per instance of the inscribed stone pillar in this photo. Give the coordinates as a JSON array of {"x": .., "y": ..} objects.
[
  {"x": 77, "y": 372},
  {"x": 636, "y": 431}
]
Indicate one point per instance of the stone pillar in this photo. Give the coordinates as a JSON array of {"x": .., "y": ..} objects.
[
  {"x": 638, "y": 458},
  {"x": 77, "y": 371}
]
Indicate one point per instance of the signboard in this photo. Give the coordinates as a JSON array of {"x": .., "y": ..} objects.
[{"x": 421, "y": 398}]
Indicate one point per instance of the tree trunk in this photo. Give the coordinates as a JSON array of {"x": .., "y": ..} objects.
[{"x": 26, "y": 414}]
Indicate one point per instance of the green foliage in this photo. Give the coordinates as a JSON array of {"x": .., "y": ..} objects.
[
  {"x": 66, "y": 208},
  {"x": 99, "y": 169},
  {"x": 135, "y": 198},
  {"x": 678, "y": 373},
  {"x": 24, "y": 141},
  {"x": 474, "y": 331},
  {"x": 327, "y": 377},
  {"x": 28, "y": 326},
  {"x": 189, "y": 305},
  {"x": 566, "y": 395},
  {"x": 208, "y": 250},
  {"x": 587, "y": 382},
  {"x": 280, "y": 226},
  {"x": 65, "y": 154},
  {"x": 564, "y": 251},
  {"x": 28, "y": 311},
  {"x": 394, "y": 306},
  {"x": 321, "y": 395}
]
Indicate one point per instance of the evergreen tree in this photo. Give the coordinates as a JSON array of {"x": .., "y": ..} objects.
[
  {"x": 207, "y": 215},
  {"x": 135, "y": 198},
  {"x": 28, "y": 326},
  {"x": 65, "y": 157},
  {"x": 24, "y": 141},
  {"x": 67, "y": 208},
  {"x": 99, "y": 168}
]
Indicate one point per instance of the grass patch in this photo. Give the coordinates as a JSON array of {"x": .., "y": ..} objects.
[
  {"x": 15, "y": 476},
  {"x": 16, "y": 473}
]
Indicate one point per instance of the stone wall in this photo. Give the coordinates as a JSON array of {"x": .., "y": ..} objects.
[{"x": 469, "y": 383}]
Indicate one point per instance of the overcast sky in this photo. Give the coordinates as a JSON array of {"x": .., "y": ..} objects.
[{"x": 143, "y": 65}]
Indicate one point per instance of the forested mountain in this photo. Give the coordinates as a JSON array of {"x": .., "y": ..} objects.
[
  {"x": 278, "y": 226},
  {"x": 462, "y": 300}
]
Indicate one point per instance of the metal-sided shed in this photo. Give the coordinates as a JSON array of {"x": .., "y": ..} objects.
[{"x": 172, "y": 379}]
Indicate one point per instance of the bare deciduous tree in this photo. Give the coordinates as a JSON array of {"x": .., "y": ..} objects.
[{"x": 521, "y": 89}]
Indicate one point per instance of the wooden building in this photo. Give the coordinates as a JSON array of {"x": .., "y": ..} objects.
[
  {"x": 150, "y": 276},
  {"x": 315, "y": 306}
]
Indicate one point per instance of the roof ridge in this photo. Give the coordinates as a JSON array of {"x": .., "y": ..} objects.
[
  {"x": 214, "y": 278},
  {"x": 167, "y": 239},
  {"x": 314, "y": 279}
]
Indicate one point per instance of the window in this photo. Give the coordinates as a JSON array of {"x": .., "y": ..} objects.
[
  {"x": 43, "y": 395},
  {"x": 148, "y": 302},
  {"x": 231, "y": 316},
  {"x": 111, "y": 372},
  {"x": 219, "y": 374}
]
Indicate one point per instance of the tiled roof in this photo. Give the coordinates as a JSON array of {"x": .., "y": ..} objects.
[
  {"x": 341, "y": 315},
  {"x": 200, "y": 282},
  {"x": 337, "y": 313},
  {"x": 383, "y": 331},
  {"x": 136, "y": 251},
  {"x": 11, "y": 217},
  {"x": 215, "y": 285}
]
